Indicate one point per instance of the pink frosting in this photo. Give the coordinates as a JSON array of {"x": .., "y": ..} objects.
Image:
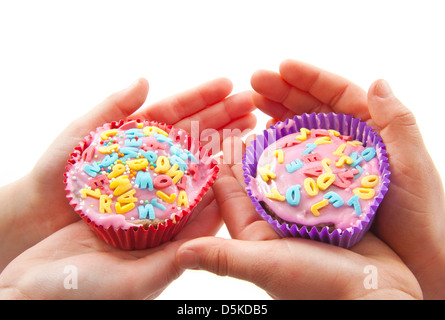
[
  {"x": 146, "y": 144},
  {"x": 342, "y": 217}
]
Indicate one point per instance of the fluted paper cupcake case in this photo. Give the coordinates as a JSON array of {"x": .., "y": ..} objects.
[
  {"x": 138, "y": 237},
  {"x": 345, "y": 125}
]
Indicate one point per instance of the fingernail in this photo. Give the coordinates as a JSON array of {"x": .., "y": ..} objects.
[
  {"x": 188, "y": 260},
  {"x": 382, "y": 89}
]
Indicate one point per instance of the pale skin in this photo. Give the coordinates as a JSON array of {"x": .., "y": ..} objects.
[
  {"x": 38, "y": 242},
  {"x": 406, "y": 242}
]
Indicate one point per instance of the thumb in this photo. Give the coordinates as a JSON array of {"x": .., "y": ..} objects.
[
  {"x": 224, "y": 257},
  {"x": 396, "y": 123},
  {"x": 411, "y": 167},
  {"x": 284, "y": 268},
  {"x": 119, "y": 105},
  {"x": 408, "y": 154}
]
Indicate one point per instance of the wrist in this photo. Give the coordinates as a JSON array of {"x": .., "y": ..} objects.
[
  {"x": 17, "y": 198},
  {"x": 15, "y": 227}
]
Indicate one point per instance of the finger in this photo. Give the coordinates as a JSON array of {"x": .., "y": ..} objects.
[
  {"x": 239, "y": 127},
  {"x": 397, "y": 126},
  {"x": 250, "y": 138},
  {"x": 255, "y": 228},
  {"x": 182, "y": 105},
  {"x": 204, "y": 222},
  {"x": 332, "y": 90},
  {"x": 273, "y": 87},
  {"x": 237, "y": 210},
  {"x": 237, "y": 171},
  {"x": 271, "y": 122},
  {"x": 285, "y": 268},
  {"x": 220, "y": 114},
  {"x": 411, "y": 165},
  {"x": 272, "y": 108},
  {"x": 391, "y": 117},
  {"x": 117, "y": 106}
]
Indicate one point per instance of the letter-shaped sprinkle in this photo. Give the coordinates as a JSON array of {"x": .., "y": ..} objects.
[
  {"x": 275, "y": 195},
  {"x": 266, "y": 173},
  {"x": 319, "y": 205}
]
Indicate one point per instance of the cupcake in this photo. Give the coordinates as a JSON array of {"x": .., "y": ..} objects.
[
  {"x": 135, "y": 183},
  {"x": 318, "y": 176}
]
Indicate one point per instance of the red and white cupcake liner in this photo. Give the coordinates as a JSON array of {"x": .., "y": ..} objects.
[{"x": 138, "y": 237}]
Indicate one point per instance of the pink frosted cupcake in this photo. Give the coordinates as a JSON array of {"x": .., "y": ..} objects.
[
  {"x": 136, "y": 183},
  {"x": 318, "y": 176}
]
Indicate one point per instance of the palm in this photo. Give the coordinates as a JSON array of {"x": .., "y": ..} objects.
[
  {"x": 258, "y": 249},
  {"x": 103, "y": 272}
]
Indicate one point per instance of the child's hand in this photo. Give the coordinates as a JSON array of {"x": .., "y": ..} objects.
[
  {"x": 293, "y": 268},
  {"x": 44, "y": 209},
  {"x": 73, "y": 263},
  {"x": 409, "y": 221}
]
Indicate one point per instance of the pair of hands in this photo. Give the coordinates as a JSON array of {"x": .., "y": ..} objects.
[
  {"x": 51, "y": 238},
  {"x": 403, "y": 254},
  {"x": 42, "y": 237}
]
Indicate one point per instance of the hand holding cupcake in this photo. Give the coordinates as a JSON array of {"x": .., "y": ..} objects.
[
  {"x": 46, "y": 232},
  {"x": 295, "y": 268}
]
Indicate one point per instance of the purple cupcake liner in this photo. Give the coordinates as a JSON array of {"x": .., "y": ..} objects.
[{"x": 346, "y": 125}]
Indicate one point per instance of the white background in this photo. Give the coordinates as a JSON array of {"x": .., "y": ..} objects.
[{"x": 60, "y": 58}]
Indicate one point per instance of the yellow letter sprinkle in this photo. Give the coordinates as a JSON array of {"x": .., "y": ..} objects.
[
  {"x": 314, "y": 209},
  {"x": 275, "y": 195},
  {"x": 105, "y": 204},
  {"x": 325, "y": 180},
  {"x": 340, "y": 150},
  {"x": 148, "y": 131},
  {"x": 266, "y": 173},
  {"x": 310, "y": 186},
  {"x": 109, "y": 149},
  {"x": 137, "y": 164},
  {"x": 118, "y": 169},
  {"x": 128, "y": 197},
  {"x": 170, "y": 199},
  {"x": 364, "y": 193},
  {"x": 344, "y": 159},
  {"x": 325, "y": 163},
  {"x": 323, "y": 140},
  {"x": 125, "y": 208},
  {"x": 120, "y": 185},
  {"x": 355, "y": 143},
  {"x": 162, "y": 164},
  {"x": 182, "y": 199},
  {"x": 280, "y": 155},
  {"x": 88, "y": 192},
  {"x": 106, "y": 134},
  {"x": 370, "y": 181},
  {"x": 174, "y": 173},
  {"x": 303, "y": 134}
]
